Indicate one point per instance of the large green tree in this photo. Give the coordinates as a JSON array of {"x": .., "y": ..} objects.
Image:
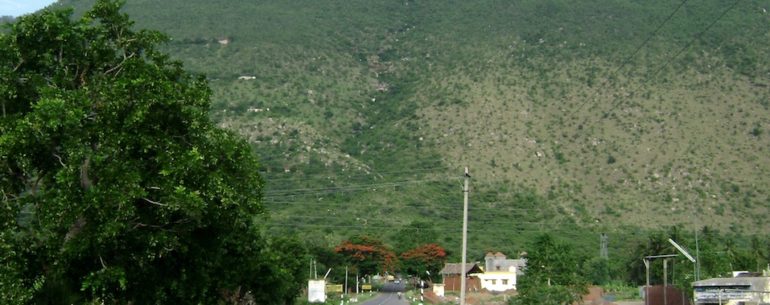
[
  {"x": 552, "y": 276},
  {"x": 115, "y": 185},
  {"x": 424, "y": 261}
]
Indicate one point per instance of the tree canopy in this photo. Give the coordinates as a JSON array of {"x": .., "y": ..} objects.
[
  {"x": 369, "y": 255},
  {"x": 116, "y": 187},
  {"x": 424, "y": 261},
  {"x": 552, "y": 276}
]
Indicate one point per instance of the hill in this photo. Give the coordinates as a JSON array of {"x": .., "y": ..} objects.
[{"x": 574, "y": 117}]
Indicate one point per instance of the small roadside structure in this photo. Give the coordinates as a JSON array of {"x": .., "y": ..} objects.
[
  {"x": 743, "y": 288},
  {"x": 316, "y": 291},
  {"x": 452, "y": 273}
]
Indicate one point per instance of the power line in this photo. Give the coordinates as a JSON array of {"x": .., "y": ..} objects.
[
  {"x": 325, "y": 176},
  {"x": 478, "y": 211},
  {"x": 499, "y": 230},
  {"x": 639, "y": 48},
  {"x": 365, "y": 187},
  {"x": 685, "y": 47},
  {"x": 482, "y": 221},
  {"x": 310, "y": 191},
  {"x": 453, "y": 228},
  {"x": 664, "y": 65},
  {"x": 445, "y": 178},
  {"x": 653, "y": 34},
  {"x": 441, "y": 228},
  {"x": 358, "y": 187},
  {"x": 475, "y": 208}
]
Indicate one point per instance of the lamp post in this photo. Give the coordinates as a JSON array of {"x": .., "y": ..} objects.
[{"x": 688, "y": 256}]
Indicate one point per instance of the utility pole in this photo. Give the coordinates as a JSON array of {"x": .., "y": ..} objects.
[
  {"x": 345, "y": 293},
  {"x": 697, "y": 256},
  {"x": 665, "y": 281},
  {"x": 647, "y": 282},
  {"x": 465, "y": 236}
]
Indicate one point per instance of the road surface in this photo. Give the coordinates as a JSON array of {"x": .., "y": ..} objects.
[{"x": 387, "y": 299}]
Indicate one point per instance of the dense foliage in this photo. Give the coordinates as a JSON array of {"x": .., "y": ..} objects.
[
  {"x": 552, "y": 275},
  {"x": 116, "y": 187},
  {"x": 424, "y": 261},
  {"x": 377, "y": 106},
  {"x": 368, "y": 255},
  {"x": 579, "y": 118}
]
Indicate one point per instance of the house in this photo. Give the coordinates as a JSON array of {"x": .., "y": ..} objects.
[
  {"x": 742, "y": 288},
  {"x": 497, "y": 281},
  {"x": 451, "y": 273},
  {"x": 500, "y": 273},
  {"x": 499, "y": 262}
]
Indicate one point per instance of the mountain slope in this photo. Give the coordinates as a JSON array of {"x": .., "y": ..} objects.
[{"x": 365, "y": 112}]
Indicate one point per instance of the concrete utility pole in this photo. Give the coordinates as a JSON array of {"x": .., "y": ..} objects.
[
  {"x": 647, "y": 282},
  {"x": 345, "y": 293},
  {"x": 665, "y": 281},
  {"x": 697, "y": 257},
  {"x": 465, "y": 237}
]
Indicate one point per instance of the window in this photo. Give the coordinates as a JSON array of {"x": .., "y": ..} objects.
[
  {"x": 494, "y": 282},
  {"x": 505, "y": 282}
]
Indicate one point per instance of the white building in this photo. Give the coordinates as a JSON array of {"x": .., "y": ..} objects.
[
  {"x": 742, "y": 289},
  {"x": 497, "y": 281},
  {"x": 500, "y": 273}
]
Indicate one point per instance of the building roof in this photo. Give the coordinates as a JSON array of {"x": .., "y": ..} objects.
[
  {"x": 755, "y": 282},
  {"x": 456, "y": 268}
]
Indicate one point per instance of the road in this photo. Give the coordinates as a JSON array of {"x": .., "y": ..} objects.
[{"x": 390, "y": 298}]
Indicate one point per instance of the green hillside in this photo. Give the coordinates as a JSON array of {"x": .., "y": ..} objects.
[{"x": 573, "y": 117}]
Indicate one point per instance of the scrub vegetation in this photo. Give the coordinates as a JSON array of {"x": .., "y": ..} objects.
[{"x": 575, "y": 118}]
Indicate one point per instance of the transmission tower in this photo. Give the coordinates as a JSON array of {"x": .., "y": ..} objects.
[{"x": 604, "y": 240}]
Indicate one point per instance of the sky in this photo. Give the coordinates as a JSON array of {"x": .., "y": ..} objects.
[{"x": 20, "y": 7}]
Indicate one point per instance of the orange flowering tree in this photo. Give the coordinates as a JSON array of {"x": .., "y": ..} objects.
[
  {"x": 428, "y": 257},
  {"x": 368, "y": 255}
]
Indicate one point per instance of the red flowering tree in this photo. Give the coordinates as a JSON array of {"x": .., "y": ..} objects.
[
  {"x": 369, "y": 255},
  {"x": 428, "y": 257}
]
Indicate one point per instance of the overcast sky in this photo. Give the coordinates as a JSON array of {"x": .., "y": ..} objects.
[{"x": 20, "y": 7}]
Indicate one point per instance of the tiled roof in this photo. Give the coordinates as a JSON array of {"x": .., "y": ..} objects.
[{"x": 455, "y": 268}]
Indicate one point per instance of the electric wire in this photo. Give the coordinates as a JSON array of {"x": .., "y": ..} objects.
[
  {"x": 666, "y": 64},
  {"x": 355, "y": 187},
  {"x": 293, "y": 193},
  {"x": 639, "y": 48},
  {"x": 325, "y": 176},
  {"x": 649, "y": 37},
  {"x": 681, "y": 50}
]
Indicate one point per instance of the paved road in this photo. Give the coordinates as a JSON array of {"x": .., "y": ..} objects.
[{"x": 386, "y": 299}]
